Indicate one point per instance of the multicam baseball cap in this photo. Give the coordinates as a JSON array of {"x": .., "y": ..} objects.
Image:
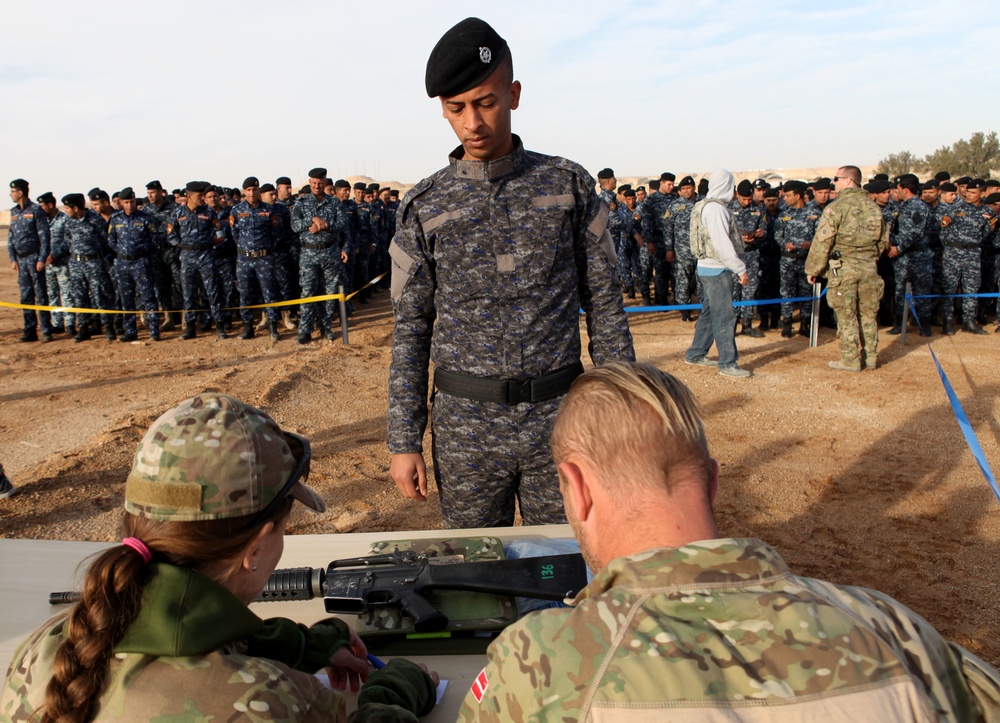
[{"x": 212, "y": 457}]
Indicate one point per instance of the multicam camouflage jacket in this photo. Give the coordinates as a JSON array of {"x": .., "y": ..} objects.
[
  {"x": 722, "y": 630},
  {"x": 196, "y": 653}
]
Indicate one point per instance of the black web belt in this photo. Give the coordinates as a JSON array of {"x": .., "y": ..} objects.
[
  {"x": 316, "y": 247},
  {"x": 196, "y": 247},
  {"x": 961, "y": 246},
  {"x": 507, "y": 391}
]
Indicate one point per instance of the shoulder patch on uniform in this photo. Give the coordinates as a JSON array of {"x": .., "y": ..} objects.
[
  {"x": 612, "y": 205},
  {"x": 479, "y": 686}
]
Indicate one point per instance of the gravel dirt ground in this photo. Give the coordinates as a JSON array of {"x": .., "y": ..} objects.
[{"x": 858, "y": 478}]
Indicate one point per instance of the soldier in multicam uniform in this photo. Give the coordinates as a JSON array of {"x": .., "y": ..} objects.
[
  {"x": 910, "y": 250},
  {"x": 207, "y": 500},
  {"x": 255, "y": 230},
  {"x": 57, "y": 281},
  {"x": 28, "y": 241},
  {"x": 679, "y": 624},
  {"x": 495, "y": 254},
  {"x": 749, "y": 219},
  {"x": 677, "y": 241},
  {"x": 850, "y": 237},
  {"x": 321, "y": 223},
  {"x": 964, "y": 227},
  {"x": 131, "y": 237},
  {"x": 86, "y": 236},
  {"x": 794, "y": 231},
  {"x": 166, "y": 261}
]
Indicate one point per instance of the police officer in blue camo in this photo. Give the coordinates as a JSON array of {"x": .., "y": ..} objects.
[
  {"x": 878, "y": 191},
  {"x": 196, "y": 229},
  {"x": 224, "y": 253},
  {"x": 86, "y": 236},
  {"x": 282, "y": 258},
  {"x": 607, "y": 182},
  {"x": 965, "y": 225},
  {"x": 493, "y": 258},
  {"x": 130, "y": 236},
  {"x": 794, "y": 233},
  {"x": 991, "y": 249},
  {"x": 770, "y": 258},
  {"x": 910, "y": 250},
  {"x": 255, "y": 228},
  {"x": 379, "y": 225},
  {"x": 321, "y": 224},
  {"x": 356, "y": 269},
  {"x": 677, "y": 239},
  {"x": 658, "y": 266},
  {"x": 27, "y": 247},
  {"x": 166, "y": 262},
  {"x": 629, "y": 267},
  {"x": 57, "y": 282},
  {"x": 750, "y": 222}
]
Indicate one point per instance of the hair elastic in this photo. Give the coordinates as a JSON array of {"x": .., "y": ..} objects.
[{"x": 139, "y": 546}]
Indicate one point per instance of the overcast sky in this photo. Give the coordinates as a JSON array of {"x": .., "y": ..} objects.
[{"x": 118, "y": 93}]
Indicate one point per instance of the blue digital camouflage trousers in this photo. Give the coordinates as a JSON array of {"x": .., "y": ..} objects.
[
  {"x": 57, "y": 284},
  {"x": 749, "y": 292},
  {"x": 31, "y": 282},
  {"x": 229, "y": 296},
  {"x": 655, "y": 269},
  {"x": 916, "y": 267},
  {"x": 629, "y": 268},
  {"x": 91, "y": 287},
  {"x": 254, "y": 273},
  {"x": 487, "y": 455},
  {"x": 320, "y": 272},
  {"x": 198, "y": 272},
  {"x": 136, "y": 289},
  {"x": 684, "y": 278},
  {"x": 166, "y": 264},
  {"x": 795, "y": 284},
  {"x": 961, "y": 274}
]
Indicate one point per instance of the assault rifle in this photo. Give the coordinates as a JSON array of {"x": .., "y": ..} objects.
[{"x": 357, "y": 584}]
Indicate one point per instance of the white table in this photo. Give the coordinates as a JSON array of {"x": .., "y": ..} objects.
[{"x": 31, "y": 569}]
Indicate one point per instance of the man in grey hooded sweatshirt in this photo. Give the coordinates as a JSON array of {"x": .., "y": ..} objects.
[{"x": 718, "y": 246}]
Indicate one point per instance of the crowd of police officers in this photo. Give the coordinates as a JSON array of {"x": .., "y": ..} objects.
[
  {"x": 943, "y": 240},
  {"x": 203, "y": 249},
  {"x": 208, "y": 250}
]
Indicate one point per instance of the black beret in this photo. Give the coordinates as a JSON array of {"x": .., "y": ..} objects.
[
  {"x": 154, "y": 186},
  {"x": 628, "y": 193},
  {"x": 667, "y": 177},
  {"x": 640, "y": 188},
  {"x": 977, "y": 183},
  {"x": 341, "y": 183},
  {"x": 795, "y": 187},
  {"x": 942, "y": 176},
  {"x": 394, "y": 192},
  {"x": 463, "y": 58},
  {"x": 372, "y": 187},
  {"x": 605, "y": 174},
  {"x": 963, "y": 180},
  {"x": 96, "y": 194},
  {"x": 654, "y": 183},
  {"x": 880, "y": 177},
  {"x": 317, "y": 173},
  {"x": 761, "y": 183},
  {"x": 948, "y": 187},
  {"x": 196, "y": 187},
  {"x": 360, "y": 186},
  {"x": 305, "y": 190},
  {"x": 250, "y": 181},
  {"x": 770, "y": 193},
  {"x": 126, "y": 194},
  {"x": 703, "y": 184},
  {"x": 878, "y": 186},
  {"x": 178, "y": 192},
  {"x": 115, "y": 195},
  {"x": 990, "y": 182},
  {"x": 992, "y": 198},
  {"x": 267, "y": 188},
  {"x": 74, "y": 199},
  {"x": 745, "y": 188},
  {"x": 282, "y": 181},
  {"x": 909, "y": 177},
  {"x": 20, "y": 184},
  {"x": 822, "y": 184},
  {"x": 686, "y": 181},
  {"x": 933, "y": 183},
  {"x": 328, "y": 182},
  {"x": 47, "y": 197},
  {"x": 624, "y": 187}
]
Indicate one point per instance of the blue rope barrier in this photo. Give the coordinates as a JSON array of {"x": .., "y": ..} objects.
[{"x": 695, "y": 307}]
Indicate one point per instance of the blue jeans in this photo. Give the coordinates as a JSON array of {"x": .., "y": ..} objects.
[{"x": 717, "y": 321}]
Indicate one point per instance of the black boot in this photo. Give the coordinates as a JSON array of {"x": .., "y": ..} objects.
[
  {"x": 949, "y": 325},
  {"x": 109, "y": 333},
  {"x": 972, "y": 327},
  {"x": 647, "y": 300},
  {"x": 272, "y": 328},
  {"x": 190, "y": 331},
  {"x": 804, "y": 328},
  {"x": 83, "y": 334},
  {"x": 71, "y": 330},
  {"x": 686, "y": 315},
  {"x": 748, "y": 330},
  {"x": 304, "y": 337},
  {"x": 786, "y": 328},
  {"x": 29, "y": 336},
  {"x": 220, "y": 333},
  {"x": 206, "y": 325},
  {"x": 248, "y": 332},
  {"x": 897, "y": 328},
  {"x": 925, "y": 327}
]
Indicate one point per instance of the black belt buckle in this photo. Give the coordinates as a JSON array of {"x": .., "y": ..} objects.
[{"x": 518, "y": 391}]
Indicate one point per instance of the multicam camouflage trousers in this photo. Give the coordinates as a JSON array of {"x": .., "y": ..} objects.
[
  {"x": 854, "y": 293},
  {"x": 962, "y": 273},
  {"x": 487, "y": 455}
]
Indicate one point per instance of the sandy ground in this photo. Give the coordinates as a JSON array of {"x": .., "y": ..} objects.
[{"x": 857, "y": 478}]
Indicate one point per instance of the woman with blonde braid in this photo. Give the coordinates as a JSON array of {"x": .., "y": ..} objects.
[{"x": 163, "y": 629}]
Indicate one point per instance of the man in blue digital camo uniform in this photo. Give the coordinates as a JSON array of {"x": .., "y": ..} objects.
[
  {"x": 284, "y": 259},
  {"x": 27, "y": 247},
  {"x": 321, "y": 223},
  {"x": 196, "y": 229},
  {"x": 255, "y": 227},
  {"x": 57, "y": 282},
  {"x": 86, "y": 235},
  {"x": 493, "y": 258},
  {"x": 224, "y": 254},
  {"x": 629, "y": 242},
  {"x": 770, "y": 258},
  {"x": 750, "y": 221},
  {"x": 910, "y": 250},
  {"x": 991, "y": 249},
  {"x": 965, "y": 224},
  {"x": 658, "y": 265},
  {"x": 794, "y": 231},
  {"x": 166, "y": 261},
  {"x": 131, "y": 237},
  {"x": 677, "y": 238}
]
